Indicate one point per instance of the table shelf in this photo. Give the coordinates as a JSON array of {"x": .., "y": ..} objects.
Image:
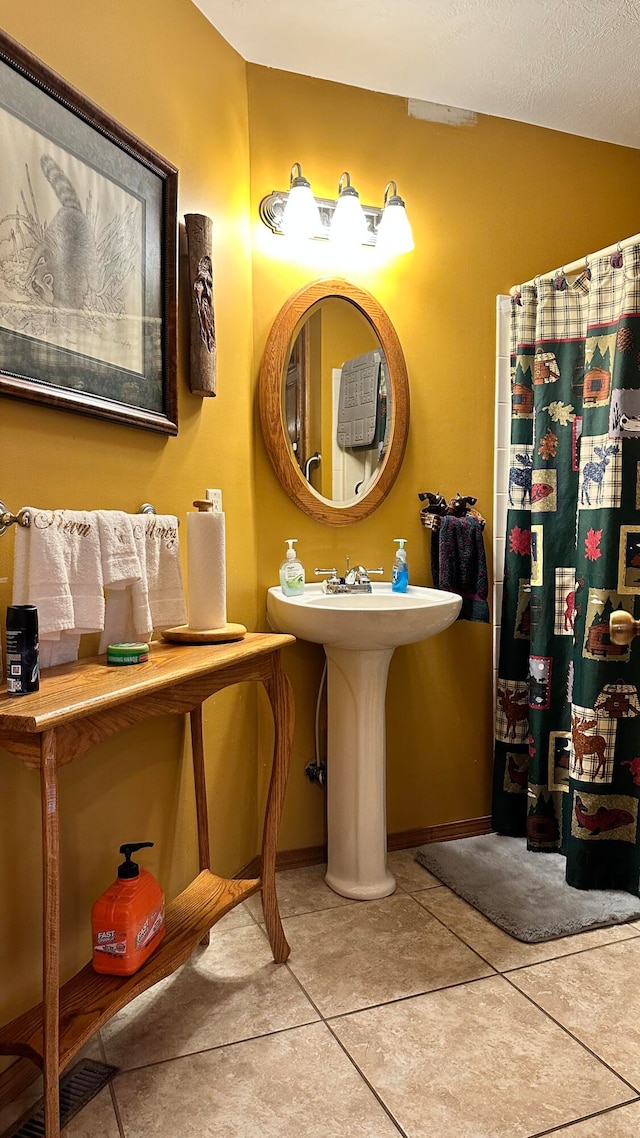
[{"x": 89, "y": 999}]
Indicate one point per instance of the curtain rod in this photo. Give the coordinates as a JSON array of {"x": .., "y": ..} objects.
[{"x": 581, "y": 263}]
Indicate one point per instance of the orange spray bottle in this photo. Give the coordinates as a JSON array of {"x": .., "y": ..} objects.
[{"x": 127, "y": 921}]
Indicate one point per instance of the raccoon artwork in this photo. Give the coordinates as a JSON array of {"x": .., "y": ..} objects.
[{"x": 63, "y": 270}]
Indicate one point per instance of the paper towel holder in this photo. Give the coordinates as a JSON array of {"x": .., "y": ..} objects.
[{"x": 183, "y": 634}]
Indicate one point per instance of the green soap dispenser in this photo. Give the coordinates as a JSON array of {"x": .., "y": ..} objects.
[
  {"x": 292, "y": 572},
  {"x": 400, "y": 572}
]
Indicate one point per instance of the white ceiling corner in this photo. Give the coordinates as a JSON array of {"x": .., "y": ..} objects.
[{"x": 572, "y": 65}]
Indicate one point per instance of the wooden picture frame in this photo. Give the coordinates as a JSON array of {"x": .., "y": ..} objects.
[{"x": 88, "y": 255}]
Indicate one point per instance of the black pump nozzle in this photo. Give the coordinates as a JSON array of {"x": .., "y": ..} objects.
[{"x": 130, "y": 868}]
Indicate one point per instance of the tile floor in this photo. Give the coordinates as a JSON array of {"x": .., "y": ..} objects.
[{"x": 413, "y": 1015}]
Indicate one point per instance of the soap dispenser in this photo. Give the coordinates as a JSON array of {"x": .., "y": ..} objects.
[
  {"x": 128, "y": 920},
  {"x": 292, "y": 572},
  {"x": 400, "y": 572}
]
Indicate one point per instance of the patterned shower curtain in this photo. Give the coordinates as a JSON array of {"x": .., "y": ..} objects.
[{"x": 567, "y": 750}]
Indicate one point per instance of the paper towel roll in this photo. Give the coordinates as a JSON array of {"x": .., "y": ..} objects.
[{"x": 206, "y": 576}]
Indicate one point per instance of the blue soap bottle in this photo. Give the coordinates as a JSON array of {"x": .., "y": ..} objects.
[{"x": 400, "y": 572}]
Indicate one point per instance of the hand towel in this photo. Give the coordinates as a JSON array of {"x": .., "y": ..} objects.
[
  {"x": 127, "y": 613},
  {"x": 164, "y": 572},
  {"x": 120, "y": 560},
  {"x": 39, "y": 573},
  {"x": 57, "y": 568},
  {"x": 459, "y": 565}
]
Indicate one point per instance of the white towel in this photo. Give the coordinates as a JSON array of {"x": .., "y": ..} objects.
[
  {"x": 39, "y": 573},
  {"x": 120, "y": 560},
  {"x": 127, "y": 613},
  {"x": 64, "y": 650},
  {"x": 164, "y": 573},
  {"x": 58, "y": 568}
]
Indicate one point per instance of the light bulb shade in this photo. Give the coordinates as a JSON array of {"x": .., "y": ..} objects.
[
  {"x": 301, "y": 216},
  {"x": 349, "y": 224},
  {"x": 394, "y": 230}
]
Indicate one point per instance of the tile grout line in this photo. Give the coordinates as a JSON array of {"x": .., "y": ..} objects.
[
  {"x": 216, "y": 1047},
  {"x": 116, "y": 1109},
  {"x": 584, "y": 1118},
  {"x": 580, "y": 1042},
  {"x": 496, "y": 971},
  {"x": 114, "y": 1101},
  {"x": 574, "y": 952},
  {"x": 398, "y": 999},
  {"x": 364, "y": 1079}
]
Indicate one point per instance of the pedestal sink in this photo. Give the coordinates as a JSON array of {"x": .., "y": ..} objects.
[{"x": 360, "y": 632}]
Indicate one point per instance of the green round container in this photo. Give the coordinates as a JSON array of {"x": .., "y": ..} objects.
[{"x": 123, "y": 654}]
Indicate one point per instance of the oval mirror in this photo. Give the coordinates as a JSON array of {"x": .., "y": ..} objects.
[{"x": 334, "y": 401}]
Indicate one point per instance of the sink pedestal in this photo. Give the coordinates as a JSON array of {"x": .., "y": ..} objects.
[
  {"x": 356, "y": 772},
  {"x": 360, "y": 632}
]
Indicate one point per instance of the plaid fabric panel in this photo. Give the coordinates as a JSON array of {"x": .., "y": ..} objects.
[
  {"x": 593, "y": 739},
  {"x": 512, "y": 711},
  {"x": 562, "y": 313},
  {"x": 523, "y": 317},
  {"x": 565, "y": 601},
  {"x": 600, "y": 473},
  {"x": 614, "y": 290},
  {"x": 520, "y": 475}
]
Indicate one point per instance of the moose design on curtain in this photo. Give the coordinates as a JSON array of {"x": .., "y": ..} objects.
[{"x": 567, "y": 748}]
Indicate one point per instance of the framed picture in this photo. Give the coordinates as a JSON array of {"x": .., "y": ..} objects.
[{"x": 88, "y": 248}]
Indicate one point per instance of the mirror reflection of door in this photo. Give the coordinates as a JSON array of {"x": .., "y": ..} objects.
[
  {"x": 296, "y": 403},
  {"x": 334, "y": 333},
  {"x": 302, "y": 399}
]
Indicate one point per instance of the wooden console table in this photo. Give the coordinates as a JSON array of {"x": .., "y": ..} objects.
[{"x": 82, "y": 704}]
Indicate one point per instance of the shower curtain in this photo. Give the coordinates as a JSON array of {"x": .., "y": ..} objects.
[{"x": 567, "y": 748}]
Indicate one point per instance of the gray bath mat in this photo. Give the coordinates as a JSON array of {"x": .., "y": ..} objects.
[{"x": 523, "y": 893}]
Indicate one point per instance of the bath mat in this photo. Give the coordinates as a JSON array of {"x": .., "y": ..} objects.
[{"x": 523, "y": 893}]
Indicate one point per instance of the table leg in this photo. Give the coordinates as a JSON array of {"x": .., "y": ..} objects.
[
  {"x": 200, "y": 780},
  {"x": 50, "y": 931},
  {"x": 280, "y": 696}
]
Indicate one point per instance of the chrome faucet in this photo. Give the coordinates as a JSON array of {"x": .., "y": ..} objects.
[{"x": 355, "y": 580}]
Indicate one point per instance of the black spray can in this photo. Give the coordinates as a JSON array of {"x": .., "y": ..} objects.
[{"x": 23, "y": 665}]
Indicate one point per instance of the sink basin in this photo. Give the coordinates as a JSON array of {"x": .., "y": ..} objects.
[
  {"x": 378, "y": 620},
  {"x": 360, "y": 632}
]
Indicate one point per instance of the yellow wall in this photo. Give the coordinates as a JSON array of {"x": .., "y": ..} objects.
[
  {"x": 490, "y": 205},
  {"x": 171, "y": 79},
  {"x": 167, "y": 75}
]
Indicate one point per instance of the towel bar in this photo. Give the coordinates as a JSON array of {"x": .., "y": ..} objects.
[
  {"x": 458, "y": 507},
  {"x": 23, "y": 516}
]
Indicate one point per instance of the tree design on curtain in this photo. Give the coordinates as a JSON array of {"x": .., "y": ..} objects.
[{"x": 567, "y": 749}]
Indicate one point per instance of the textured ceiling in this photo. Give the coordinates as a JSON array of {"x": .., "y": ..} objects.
[{"x": 573, "y": 65}]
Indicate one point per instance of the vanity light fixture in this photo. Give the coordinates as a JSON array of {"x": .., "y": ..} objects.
[
  {"x": 300, "y": 216},
  {"x": 394, "y": 230},
  {"x": 348, "y": 224},
  {"x": 297, "y": 212}
]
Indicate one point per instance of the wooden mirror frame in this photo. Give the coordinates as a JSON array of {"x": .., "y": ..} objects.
[{"x": 276, "y": 354}]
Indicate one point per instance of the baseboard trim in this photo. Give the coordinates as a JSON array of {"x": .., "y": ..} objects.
[
  {"x": 287, "y": 859},
  {"x": 405, "y": 840},
  {"x": 446, "y": 832}
]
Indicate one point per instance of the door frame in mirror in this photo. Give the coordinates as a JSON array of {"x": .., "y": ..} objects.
[{"x": 270, "y": 386}]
